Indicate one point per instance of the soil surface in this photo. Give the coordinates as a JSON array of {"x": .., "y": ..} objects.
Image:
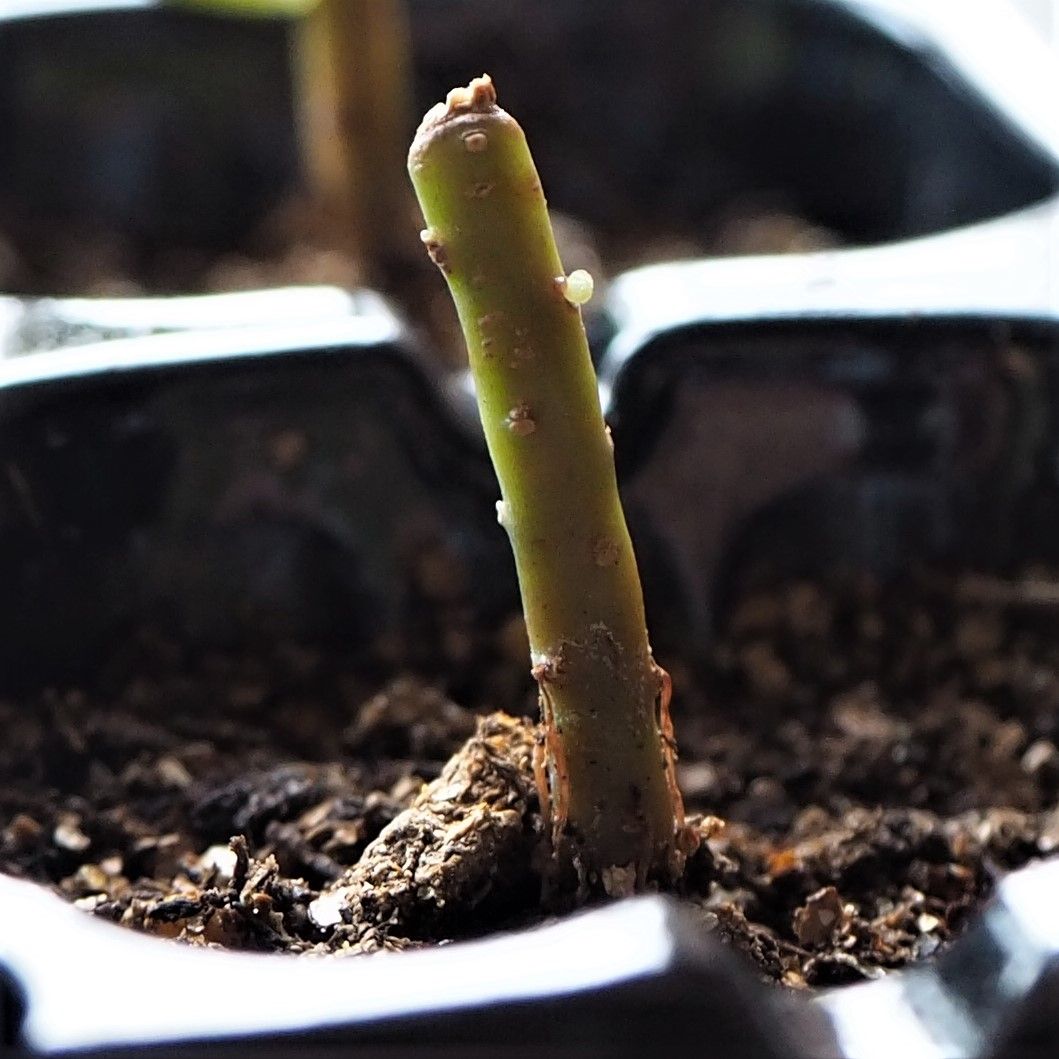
[{"x": 865, "y": 760}]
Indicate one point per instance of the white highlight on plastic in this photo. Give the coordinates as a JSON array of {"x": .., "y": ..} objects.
[{"x": 624, "y": 941}]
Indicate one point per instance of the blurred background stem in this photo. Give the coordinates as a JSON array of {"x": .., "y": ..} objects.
[{"x": 352, "y": 68}]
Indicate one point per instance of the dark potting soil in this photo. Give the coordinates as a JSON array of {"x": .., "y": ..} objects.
[{"x": 878, "y": 754}]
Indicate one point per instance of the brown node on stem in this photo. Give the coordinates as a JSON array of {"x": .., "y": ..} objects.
[
  {"x": 546, "y": 669},
  {"x": 435, "y": 248},
  {"x": 475, "y": 141},
  {"x": 520, "y": 420},
  {"x": 605, "y": 551}
]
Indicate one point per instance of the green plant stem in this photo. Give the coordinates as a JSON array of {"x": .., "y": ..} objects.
[{"x": 615, "y": 813}]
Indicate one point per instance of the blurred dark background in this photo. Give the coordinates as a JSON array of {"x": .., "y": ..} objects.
[{"x": 162, "y": 138}]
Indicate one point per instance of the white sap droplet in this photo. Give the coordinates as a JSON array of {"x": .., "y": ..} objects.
[
  {"x": 578, "y": 287},
  {"x": 501, "y": 513}
]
